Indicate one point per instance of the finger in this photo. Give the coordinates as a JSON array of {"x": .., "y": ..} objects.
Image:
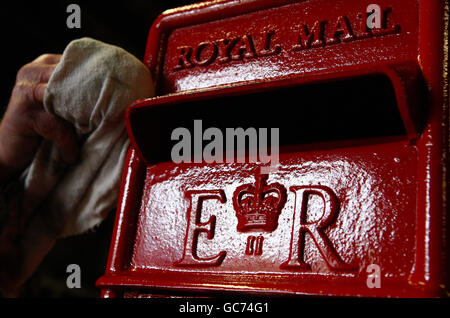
[
  {"x": 30, "y": 92},
  {"x": 59, "y": 131},
  {"x": 48, "y": 59},
  {"x": 39, "y": 73}
]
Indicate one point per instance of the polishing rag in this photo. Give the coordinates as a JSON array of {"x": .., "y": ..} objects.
[{"x": 91, "y": 88}]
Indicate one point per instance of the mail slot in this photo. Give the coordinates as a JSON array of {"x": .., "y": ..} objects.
[{"x": 355, "y": 204}]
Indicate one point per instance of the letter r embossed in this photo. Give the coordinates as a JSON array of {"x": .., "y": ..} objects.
[
  {"x": 195, "y": 227},
  {"x": 300, "y": 227}
]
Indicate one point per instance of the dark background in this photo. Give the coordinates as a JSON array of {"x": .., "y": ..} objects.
[{"x": 32, "y": 28}]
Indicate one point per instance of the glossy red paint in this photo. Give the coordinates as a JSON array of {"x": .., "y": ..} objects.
[{"x": 340, "y": 205}]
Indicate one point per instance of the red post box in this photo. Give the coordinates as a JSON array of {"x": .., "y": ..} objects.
[{"x": 357, "y": 203}]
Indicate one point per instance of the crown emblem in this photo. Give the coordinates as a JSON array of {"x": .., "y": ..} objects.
[{"x": 258, "y": 205}]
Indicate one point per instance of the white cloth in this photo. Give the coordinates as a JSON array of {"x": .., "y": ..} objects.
[{"x": 91, "y": 87}]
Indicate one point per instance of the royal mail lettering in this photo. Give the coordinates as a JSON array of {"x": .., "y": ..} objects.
[
  {"x": 249, "y": 46},
  {"x": 226, "y": 50}
]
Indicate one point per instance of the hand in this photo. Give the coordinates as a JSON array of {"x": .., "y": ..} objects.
[{"x": 26, "y": 122}]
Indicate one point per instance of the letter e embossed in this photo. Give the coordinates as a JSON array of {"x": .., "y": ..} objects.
[{"x": 195, "y": 227}]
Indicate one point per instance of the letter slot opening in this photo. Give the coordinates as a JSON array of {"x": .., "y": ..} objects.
[{"x": 343, "y": 111}]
